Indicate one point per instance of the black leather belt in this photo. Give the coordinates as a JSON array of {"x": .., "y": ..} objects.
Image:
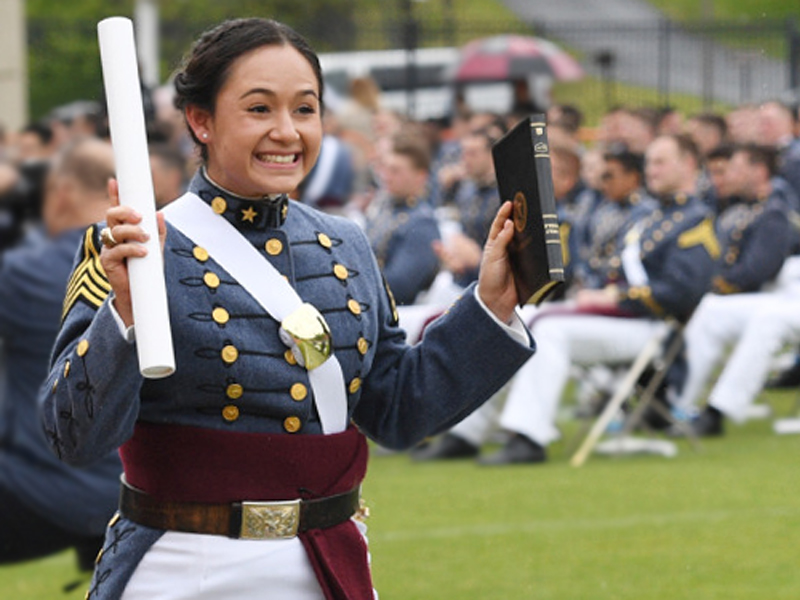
[{"x": 246, "y": 520}]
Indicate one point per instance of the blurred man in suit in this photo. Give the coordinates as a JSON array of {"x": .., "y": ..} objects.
[{"x": 45, "y": 505}]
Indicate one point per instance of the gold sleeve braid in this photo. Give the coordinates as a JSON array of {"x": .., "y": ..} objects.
[{"x": 88, "y": 282}]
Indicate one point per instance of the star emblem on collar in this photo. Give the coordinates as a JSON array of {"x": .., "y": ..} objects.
[{"x": 249, "y": 214}]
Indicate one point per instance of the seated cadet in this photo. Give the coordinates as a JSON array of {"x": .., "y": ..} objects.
[
  {"x": 756, "y": 237},
  {"x": 476, "y": 203},
  {"x": 668, "y": 260},
  {"x": 574, "y": 202},
  {"x": 45, "y": 505},
  {"x": 625, "y": 202},
  {"x": 401, "y": 225}
]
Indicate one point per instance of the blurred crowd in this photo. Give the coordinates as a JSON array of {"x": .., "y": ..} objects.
[{"x": 664, "y": 217}]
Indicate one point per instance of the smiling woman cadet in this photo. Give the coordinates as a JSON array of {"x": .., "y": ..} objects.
[{"x": 242, "y": 469}]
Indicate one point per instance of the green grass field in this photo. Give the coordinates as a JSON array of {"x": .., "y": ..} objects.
[{"x": 721, "y": 523}]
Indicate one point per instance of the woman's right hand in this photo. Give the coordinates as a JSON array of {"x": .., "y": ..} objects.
[{"x": 124, "y": 224}]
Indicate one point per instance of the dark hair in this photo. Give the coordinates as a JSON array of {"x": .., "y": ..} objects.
[
  {"x": 721, "y": 152},
  {"x": 487, "y": 134},
  {"x": 571, "y": 118},
  {"x": 713, "y": 120},
  {"x": 41, "y": 130},
  {"x": 631, "y": 162},
  {"x": 207, "y": 66},
  {"x": 414, "y": 148},
  {"x": 760, "y": 155}
]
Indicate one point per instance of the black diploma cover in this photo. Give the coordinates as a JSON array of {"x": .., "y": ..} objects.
[{"x": 522, "y": 164}]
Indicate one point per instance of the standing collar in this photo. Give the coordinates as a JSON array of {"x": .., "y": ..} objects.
[{"x": 247, "y": 213}]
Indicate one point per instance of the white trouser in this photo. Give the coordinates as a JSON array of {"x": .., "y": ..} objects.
[
  {"x": 192, "y": 566},
  {"x": 776, "y": 322},
  {"x": 717, "y": 323},
  {"x": 721, "y": 321},
  {"x": 561, "y": 340}
]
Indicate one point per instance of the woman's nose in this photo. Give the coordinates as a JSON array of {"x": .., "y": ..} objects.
[{"x": 283, "y": 127}]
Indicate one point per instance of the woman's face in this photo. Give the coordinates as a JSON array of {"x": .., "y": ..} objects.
[{"x": 266, "y": 130}]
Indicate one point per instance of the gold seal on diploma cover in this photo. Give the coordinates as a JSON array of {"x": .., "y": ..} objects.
[{"x": 520, "y": 212}]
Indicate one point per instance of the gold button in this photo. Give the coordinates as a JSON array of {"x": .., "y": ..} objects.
[
  {"x": 211, "y": 280},
  {"x": 274, "y": 247},
  {"x": 299, "y": 392},
  {"x": 218, "y": 205},
  {"x": 340, "y": 271},
  {"x": 99, "y": 556},
  {"x": 292, "y": 424},
  {"x": 230, "y": 354},
  {"x": 67, "y": 367},
  {"x": 324, "y": 241},
  {"x": 354, "y": 306},
  {"x": 230, "y": 413},
  {"x": 362, "y": 345},
  {"x": 220, "y": 316},
  {"x": 355, "y": 385},
  {"x": 83, "y": 347},
  {"x": 114, "y": 520},
  {"x": 55, "y": 386},
  {"x": 289, "y": 356},
  {"x": 200, "y": 254},
  {"x": 234, "y": 391}
]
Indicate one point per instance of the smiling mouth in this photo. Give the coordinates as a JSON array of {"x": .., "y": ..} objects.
[{"x": 278, "y": 159}]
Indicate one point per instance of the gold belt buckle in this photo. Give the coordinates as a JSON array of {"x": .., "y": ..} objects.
[
  {"x": 307, "y": 334},
  {"x": 270, "y": 520}
]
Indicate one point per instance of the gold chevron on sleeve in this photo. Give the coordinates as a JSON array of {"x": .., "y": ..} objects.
[
  {"x": 701, "y": 234},
  {"x": 88, "y": 282}
]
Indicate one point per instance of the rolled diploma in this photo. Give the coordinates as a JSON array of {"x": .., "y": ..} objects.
[{"x": 126, "y": 123}]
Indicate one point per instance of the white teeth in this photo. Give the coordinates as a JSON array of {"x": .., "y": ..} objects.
[{"x": 277, "y": 158}]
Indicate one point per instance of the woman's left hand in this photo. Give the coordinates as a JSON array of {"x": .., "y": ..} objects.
[{"x": 495, "y": 281}]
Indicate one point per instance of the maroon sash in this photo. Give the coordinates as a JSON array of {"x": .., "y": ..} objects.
[{"x": 191, "y": 464}]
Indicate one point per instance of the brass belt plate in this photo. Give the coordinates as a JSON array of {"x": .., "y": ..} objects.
[{"x": 270, "y": 520}]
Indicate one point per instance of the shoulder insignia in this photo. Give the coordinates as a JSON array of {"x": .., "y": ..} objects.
[
  {"x": 392, "y": 303},
  {"x": 701, "y": 234},
  {"x": 88, "y": 282}
]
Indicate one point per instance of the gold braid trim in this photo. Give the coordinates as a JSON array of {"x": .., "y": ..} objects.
[{"x": 88, "y": 282}]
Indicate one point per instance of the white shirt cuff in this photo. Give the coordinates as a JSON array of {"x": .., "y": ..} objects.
[
  {"x": 127, "y": 333},
  {"x": 516, "y": 329}
]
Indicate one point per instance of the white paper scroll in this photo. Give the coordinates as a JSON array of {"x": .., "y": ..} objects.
[{"x": 128, "y": 136}]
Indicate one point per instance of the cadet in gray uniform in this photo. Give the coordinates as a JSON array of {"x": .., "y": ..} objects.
[{"x": 240, "y": 482}]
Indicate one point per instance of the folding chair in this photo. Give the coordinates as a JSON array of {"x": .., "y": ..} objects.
[{"x": 658, "y": 354}]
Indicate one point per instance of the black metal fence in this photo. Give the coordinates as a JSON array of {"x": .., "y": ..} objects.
[{"x": 695, "y": 67}]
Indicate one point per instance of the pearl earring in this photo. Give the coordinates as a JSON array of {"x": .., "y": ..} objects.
[{"x": 205, "y": 136}]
